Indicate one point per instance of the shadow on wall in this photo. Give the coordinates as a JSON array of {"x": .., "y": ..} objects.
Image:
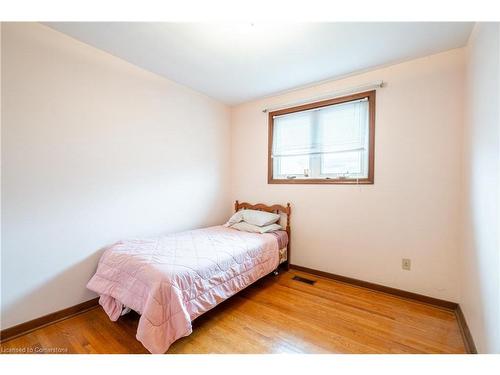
[{"x": 46, "y": 298}]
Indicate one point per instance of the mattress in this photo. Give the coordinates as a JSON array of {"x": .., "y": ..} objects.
[{"x": 171, "y": 280}]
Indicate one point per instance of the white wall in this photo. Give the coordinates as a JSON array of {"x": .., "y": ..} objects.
[
  {"x": 95, "y": 149},
  {"x": 480, "y": 282},
  {"x": 412, "y": 210}
]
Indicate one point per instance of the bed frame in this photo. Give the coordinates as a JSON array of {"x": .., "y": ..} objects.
[{"x": 275, "y": 208}]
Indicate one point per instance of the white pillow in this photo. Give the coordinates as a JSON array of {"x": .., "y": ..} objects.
[
  {"x": 259, "y": 218},
  {"x": 236, "y": 218},
  {"x": 245, "y": 227}
]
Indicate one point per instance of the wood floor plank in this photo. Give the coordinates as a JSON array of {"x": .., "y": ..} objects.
[{"x": 275, "y": 315}]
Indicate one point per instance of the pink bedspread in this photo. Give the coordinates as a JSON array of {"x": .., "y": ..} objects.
[{"x": 173, "y": 279}]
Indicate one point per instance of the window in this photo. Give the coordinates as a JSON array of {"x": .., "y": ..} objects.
[{"x": 327, "y": 142}]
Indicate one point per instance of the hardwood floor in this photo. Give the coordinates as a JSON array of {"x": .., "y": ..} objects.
[{"x": 275, "y": 315}]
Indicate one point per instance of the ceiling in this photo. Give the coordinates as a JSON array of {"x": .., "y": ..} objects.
[{"x": 235, "y": 63}]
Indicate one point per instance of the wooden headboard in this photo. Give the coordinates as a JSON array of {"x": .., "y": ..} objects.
[{"x": 275, "y": 208}]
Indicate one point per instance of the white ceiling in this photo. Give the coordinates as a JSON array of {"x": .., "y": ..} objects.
[{"x": 240, "y": 62}]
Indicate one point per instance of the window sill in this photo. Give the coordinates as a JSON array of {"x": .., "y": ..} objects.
[{"x": 316, "y": 181}]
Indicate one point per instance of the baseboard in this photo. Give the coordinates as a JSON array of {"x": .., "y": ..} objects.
[
  {"x": 23, "y": 328},
  {"x": 464, "y": 330}
]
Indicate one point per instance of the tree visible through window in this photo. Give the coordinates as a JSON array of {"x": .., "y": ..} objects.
[{"x": 331, "y": 141}]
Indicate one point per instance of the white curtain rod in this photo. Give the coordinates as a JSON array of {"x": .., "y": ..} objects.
[{"x": 331, "y": 95}]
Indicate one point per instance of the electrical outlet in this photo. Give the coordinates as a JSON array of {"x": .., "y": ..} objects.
[{"x": 406, "y": 264}]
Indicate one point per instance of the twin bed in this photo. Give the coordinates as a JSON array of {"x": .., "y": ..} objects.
[{"x": 173, "y": 279}]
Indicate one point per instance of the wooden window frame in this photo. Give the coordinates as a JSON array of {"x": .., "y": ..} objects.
[{"x": 370, "y": 95}]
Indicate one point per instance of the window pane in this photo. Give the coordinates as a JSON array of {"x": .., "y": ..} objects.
[
  {"x": 343, "y": 127},
  {"x": 293, "y": 165},
  {"x": 292, "y": 134},
  {"x": 345, "y": 163}
]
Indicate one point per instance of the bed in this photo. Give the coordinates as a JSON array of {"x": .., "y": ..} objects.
[{"x": 171, "y": 280}]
